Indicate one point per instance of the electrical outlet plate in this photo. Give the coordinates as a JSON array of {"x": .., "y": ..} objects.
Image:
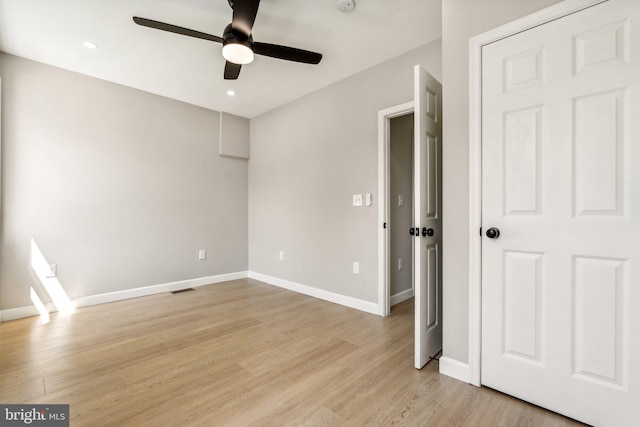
[
  {"x": 281, "y": 255},
  {"x": 357, "y": 200},
  {"x": 202, "y": 254}
]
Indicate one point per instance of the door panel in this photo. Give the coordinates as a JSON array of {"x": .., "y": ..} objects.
[
  {"x": 599, "y": 341},
  {"x": 561, "y": 181},
  {"x": 427, "y": 215},
  {"x": 429, "y": 157},
  {"x": 523, "y": 133},
  {"x": 598, "y": 153},
  {"x": 432, "y": 288},
  {"x": 522, "y": 305}
]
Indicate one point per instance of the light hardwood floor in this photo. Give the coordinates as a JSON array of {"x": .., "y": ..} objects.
[{"x": 241, "y": 353}]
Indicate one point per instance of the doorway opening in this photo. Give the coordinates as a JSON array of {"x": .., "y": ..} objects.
[
  {"x": 395, "y": 256},
  {"x": 400, "y": 202}
]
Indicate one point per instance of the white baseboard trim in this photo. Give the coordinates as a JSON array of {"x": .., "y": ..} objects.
[
  {"x": 156, "y": 289},
  {"x": 366, "y": 306},
  {"x": 350, "y": 302},
  {"x": 454, "y": 368},
  {"x": 401, "y": 296},
  {"x": 20, "y": 312},
  {"x": 28, "y": 311}
]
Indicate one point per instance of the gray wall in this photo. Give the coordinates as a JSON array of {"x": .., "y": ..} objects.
[
  {"x": 118, "y": 187},
  {"x": 461, "y": 20},
  {"x": 308, "y": 158},
  {"x": 401, "y": 217}
]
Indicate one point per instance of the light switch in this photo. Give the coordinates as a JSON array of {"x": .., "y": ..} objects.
[
  {"x": 357, "y": 200},
  {"x": 367, "y": 199},
  {"x": 400, "y": 200}
]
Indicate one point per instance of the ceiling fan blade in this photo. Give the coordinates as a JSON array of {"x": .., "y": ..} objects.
[
  {"x": 244, "y": 15},
  {"x": 288, "y": 53},
  {"x": 231, "y": 70},
  {"x": 175, "y": 29}
]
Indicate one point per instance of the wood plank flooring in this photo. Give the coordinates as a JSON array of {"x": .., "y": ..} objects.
[{"x": 241, "y": 353}]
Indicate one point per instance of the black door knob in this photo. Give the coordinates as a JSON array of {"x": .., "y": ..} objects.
[
  {"x": 412, "y": 231},
  {"x": 493, "y": 233},
  {"x": 427, "y": 232}
]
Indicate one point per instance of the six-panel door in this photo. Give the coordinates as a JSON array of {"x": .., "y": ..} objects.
[{"x": 561, "y": 181}]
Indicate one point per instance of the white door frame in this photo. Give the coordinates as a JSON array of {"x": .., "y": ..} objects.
[
  {"x": 384, "y": 136},
  {"x": 476, "y": 43}
]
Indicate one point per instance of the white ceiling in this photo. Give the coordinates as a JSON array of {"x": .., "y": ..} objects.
[{"x": 191, "y": 70}]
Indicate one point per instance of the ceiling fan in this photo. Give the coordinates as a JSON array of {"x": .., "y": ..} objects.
[{"x": 238, "y": 47}]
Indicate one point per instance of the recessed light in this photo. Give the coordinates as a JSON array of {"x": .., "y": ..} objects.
[
  {"x": 90, "y": 45},
  {"x": 231, "y": 92}
]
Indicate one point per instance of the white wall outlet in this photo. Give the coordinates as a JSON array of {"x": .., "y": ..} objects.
[
  {"x": 357, "y": 200},
  {"x": 53, "y": 270},
  {"x": 368, "y": 200},
  {"x": 202, "y": 254},
  {"x": 399, "y": 263},
  {"x": 281, "y": 255},
  {"x": 400, "y": 200},
  {"x": 356, "y": 267}
]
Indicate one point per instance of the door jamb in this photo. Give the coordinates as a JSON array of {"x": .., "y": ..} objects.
[
  {"x": 476, "y": 43},
  {"x": 384, "y": 126}
]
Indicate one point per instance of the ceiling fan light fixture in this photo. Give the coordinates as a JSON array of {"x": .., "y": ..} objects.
[
  {"x": 237, "y": 42},
  {"x": 237, "y": 52}
]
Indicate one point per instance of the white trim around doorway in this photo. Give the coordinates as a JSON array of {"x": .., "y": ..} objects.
[
  {"x": 476, "y": 43},
  {"x": 384, "y": 120}
]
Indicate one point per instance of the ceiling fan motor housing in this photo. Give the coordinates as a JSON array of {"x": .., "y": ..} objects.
[{"x": 232, "y": 36}]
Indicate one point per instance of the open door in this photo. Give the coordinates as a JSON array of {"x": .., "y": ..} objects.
[{"x": 427, "y": 230}]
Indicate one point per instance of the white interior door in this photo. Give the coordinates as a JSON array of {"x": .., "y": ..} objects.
[
  {"x": 427, "y": 190},
  {"x": 561, "y": 183}
]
